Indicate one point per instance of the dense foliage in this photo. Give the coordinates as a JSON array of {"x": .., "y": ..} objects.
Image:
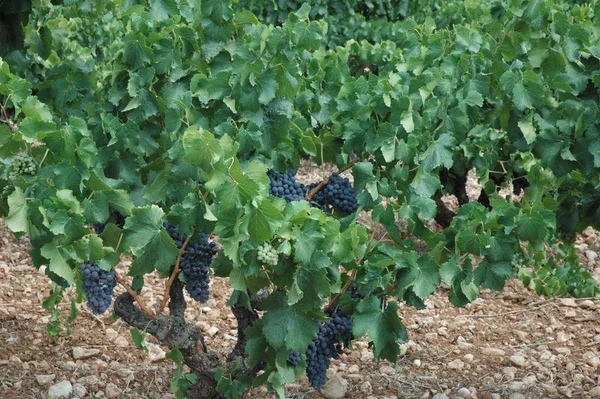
[{"x": 164, "y": 121}]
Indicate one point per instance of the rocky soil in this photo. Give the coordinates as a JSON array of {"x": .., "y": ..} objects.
[{"x": 510, "y": 344}]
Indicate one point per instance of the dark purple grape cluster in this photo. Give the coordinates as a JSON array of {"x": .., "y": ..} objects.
[
  {"x": 284, "y": 185},
  {"x": 98, "y": 285},
  {"x": 338, "y": 194},
  {"x": 118, "y": 218},
  {"x": 325, "y": 346},
  {"x": 294, "y": 358},
  {"x": 355, "y": 293},
  {"x": 195, "y": 262}
]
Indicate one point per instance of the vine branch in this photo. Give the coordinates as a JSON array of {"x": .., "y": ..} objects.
[
  {"x": 135, "y": 296},
  {"x": 319, "y": 186},
  {"x": 173, "y": 275}
]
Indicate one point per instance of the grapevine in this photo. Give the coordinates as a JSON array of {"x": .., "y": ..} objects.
[{"x": 190, "y": 112}]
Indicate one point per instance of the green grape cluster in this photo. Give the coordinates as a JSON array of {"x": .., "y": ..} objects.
[
  {"x": 519, "y": 260},
  {"x": 21, "y": 164},
  {"x": 267, "y": 255}
]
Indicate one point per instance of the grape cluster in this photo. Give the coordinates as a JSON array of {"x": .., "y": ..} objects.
[
  {"x": 355, "y": 293},
  {"x": 284, "y": 185},
  {"x": 195, "y": 262},
  {"x": 98, "y": 285},
  {"x": 21, "y": 164},
  {"x": 294, "y": 358},
  {"x": 267, "y": 255},
  {"x": 327, "y": 346},
  {"x": 118, "y": 218},
  {"x": 337, "y": 193}
]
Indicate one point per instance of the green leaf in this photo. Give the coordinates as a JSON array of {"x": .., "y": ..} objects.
[
  {"x": 58, "y": 261},
  {"x": 425, "y": 184},
  {"x": 157, "y": 190},
  {"x": 492, "y": 275},
  {"x": 531, "y": 227},
  {"x": 286, "y": 325},
  {"x": 471, "y": 241},
  {"x": 202, "y": 148},
  {"x": 144, "y": 226},
  {"x": 163, "y": 9},
  {"x": 440, "y": 153},
  {"x": 264, "y": 219},
  {"x": 245, "y": 17},
  {"x": 384, "y": 327},
  {"x": 17, "y": 216},
  {"x": 527, "y": 128}
]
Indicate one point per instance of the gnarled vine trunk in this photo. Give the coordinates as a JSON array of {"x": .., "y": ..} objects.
[{"x": 175, "y": 332}]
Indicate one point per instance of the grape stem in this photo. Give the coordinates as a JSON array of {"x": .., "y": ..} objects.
[
  {"x": 344, "y": 289},
  {"x": 173, "y": 275},
  {"x": 319, "y": 186},
  {"x": 135, "y": 296}
]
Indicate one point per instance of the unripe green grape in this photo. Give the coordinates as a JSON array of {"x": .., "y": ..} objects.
[
  {"x": 21, "y": 164},
  {"x": 267, "y": 255}
]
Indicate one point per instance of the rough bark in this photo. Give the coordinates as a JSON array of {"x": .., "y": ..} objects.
[
  {"x": 173, "y": 331},
  {"x": 444, "y": 216}
]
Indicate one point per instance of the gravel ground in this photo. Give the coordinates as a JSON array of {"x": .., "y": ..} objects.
[{"x": 510, "y": 344}]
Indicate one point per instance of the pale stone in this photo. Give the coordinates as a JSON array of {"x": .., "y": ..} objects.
[
  {"x": 464, "y": 392},
  {"x": 456, "y": 364},
  {"x": 468, "y": 357},
  {"x": 595, "y": 392},
  {"x": 335, "y": 388},
  {"x": 62, "y": 390},
  {"x": 84, "y": 353},
  {"x": 591, "y": 255},
  {"x": 518, "y": 361},
  {"x": 388, "y": 370},
  {"x": 493, "y": 351},
  {"x": 155, "y": 352},
  {"x": 563, "y": 351},
  {"x": 212, "y": 331},
  {"x": 45, "y": 379},
  {"x": 509, "y": 372},
  {"x": 112, "y": 391},
  {"x": 366, "y": 388},
  {"x": 111, "y": 335},
  {"x": 563, "y": 337},
  {"x": 354, "y": 369},
  {"x": 570, "y": 302},
  {"x": 122, "y": 342},
  {"x": 440, "y": 396},
  {"x": 591, "y": 359},
  {"x": 79, "y": 391},
  {"x": 587, "y": 304}
]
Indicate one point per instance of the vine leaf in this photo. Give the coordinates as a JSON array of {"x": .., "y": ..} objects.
[
  {"x": 283, "y": 324},
  {"x": 148, "y": 241},
  {"x": 58, "y": 262},
  {"x": 17, "y": 216},
  {"x": 384, "y": 327}
]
